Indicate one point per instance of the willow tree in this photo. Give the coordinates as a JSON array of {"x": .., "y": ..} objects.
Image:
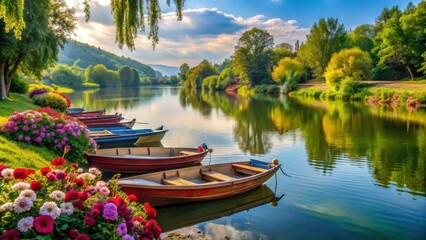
[{"x": 12, "y": 13}]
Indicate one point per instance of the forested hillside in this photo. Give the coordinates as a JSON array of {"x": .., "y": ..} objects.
[{"x": 88, "y": 55}]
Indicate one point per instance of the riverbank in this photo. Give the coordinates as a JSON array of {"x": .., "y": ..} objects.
[{"x": 387, "y": 84}]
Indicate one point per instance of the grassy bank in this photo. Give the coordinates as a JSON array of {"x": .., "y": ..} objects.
[{"x": 18, "y": 154}]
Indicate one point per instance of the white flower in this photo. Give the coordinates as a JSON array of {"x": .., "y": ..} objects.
[
  {"x": 67, "y": 208},
  {"x": 22, "y": 204},
  {"x": 28, "y": 193},
  {"x": 6, "y": 207},
  {"x": 20, "y": 186},
  {"x": 80, "y": 170},
  {"x": 50, "y": 209},
  {"x": 57, "y": 195},
  {"x": 7, "y": 173},
  {"x": 86, "y": 176},
  {"x": 100, "y": 184},
  {"x": 94, "y": 171},
  {"x": 104, "y": 191},
  {"x": 25, "y": 224}
]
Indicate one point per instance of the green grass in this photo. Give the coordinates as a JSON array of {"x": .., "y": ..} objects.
[
  {"x": 90, "y": 85},
  {"x": 15, "y": 103},
  {"x": 18, "y": 154}
]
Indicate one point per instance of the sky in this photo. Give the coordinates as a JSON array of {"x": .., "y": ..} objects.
[{"x": 210, "y": 29}]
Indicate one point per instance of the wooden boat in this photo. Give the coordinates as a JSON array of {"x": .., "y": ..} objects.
[
  {"x": 175, "y": 217},
  {"x": 116, "y": 118},
  {"x": 143, "y": 159},
  {"x": 88, "y": 114},
  {"x": 201, "y": 183},
  {"x": 121, "y": 124},
  {"x": 125, "y": 137}
]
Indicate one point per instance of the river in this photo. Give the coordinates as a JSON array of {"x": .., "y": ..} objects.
[{"x": 357, "y": 171}]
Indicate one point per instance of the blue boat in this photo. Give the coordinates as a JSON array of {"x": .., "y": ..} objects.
[
  {"x": 75, "y": 110},
  {"x": 122, "y": 136}
]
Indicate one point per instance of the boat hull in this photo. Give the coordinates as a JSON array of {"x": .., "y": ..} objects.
[
  {"x": 122, "y": 125},
  {"x": 158, "y": 195},
  {"x": 134, "y": 164},
  {"x": 128, "y": 139},
  {"x": 90, "y": 114}
]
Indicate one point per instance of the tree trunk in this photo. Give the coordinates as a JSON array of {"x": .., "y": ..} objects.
[
  {"x": 411, "y": 72},
  {"x": 2, "y": 80}
]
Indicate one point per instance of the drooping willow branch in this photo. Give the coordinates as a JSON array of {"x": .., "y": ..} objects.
[
  {"x": 12, "y": 12},
  {"x": 129, "y": 17}
]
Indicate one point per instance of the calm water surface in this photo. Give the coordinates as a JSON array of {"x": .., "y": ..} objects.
[{"x": 358, "y": 172}]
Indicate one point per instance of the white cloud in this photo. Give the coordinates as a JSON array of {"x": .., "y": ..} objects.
[{"x": 203, "y": 33}]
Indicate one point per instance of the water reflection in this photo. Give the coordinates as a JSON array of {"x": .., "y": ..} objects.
[{"x": 393, "y": 142}]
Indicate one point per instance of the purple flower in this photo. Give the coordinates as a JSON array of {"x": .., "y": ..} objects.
[
  {"x": 42, "y": 135},
  {"x": 48, "y": 135},
  {"x": 38, "y": 139},
  {"x": 55, "y": 141},
  {"x": 60, "y": 175},
  {"x": 64, "y": 139},
  {"x": 121, "y": 229},
  {"x": 52, "y": 133},
  {"x": 110, "y": 211},
  {"x": 25, "y": 122},
  {"x": 35, "y": 132},
  {"x": 127, "y": 237},
  {"x": 27, "y": 138},
  {"x": 20, "y": 137},
  {"x": 25, "y": 128},
  {"x": 33, "y": 125}
]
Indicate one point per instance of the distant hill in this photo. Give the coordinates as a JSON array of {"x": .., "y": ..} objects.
[
  {"x": 88, "y": 55},
  {"x": 165, "y": 70}
]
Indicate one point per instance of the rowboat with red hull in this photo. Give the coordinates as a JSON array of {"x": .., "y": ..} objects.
[
  {"x": 200, "y": 183},
  {"x": 91, "y": 114},
  {"x": 143, "y": 159},
  {"x": 122, "y": 124},
  {"x": 116, "y": 118}
]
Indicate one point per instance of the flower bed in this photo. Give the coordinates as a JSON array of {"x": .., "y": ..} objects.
[
  {"x": 59, "y": 202},
  {"x": 51, "y": 129}
]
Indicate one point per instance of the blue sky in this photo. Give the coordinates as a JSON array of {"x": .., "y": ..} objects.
[{"x": 210, "y": 28}]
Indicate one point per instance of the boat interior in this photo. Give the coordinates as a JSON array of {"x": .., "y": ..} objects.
[{"x": 197, "y": 175}]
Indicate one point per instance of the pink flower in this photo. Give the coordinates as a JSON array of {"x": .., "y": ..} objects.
[
  {"x": 43, "y": 224},
  {"x": 67, "y": 148}
]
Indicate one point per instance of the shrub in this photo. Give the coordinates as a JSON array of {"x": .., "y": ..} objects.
[
  {"x": 266, "y": 89},
  {"x": 59, "y": 202},
  {"x": 50, "y": 129},
  {"x": 210, "y": 82},
  {"x": 52, "y": 100},
  {"x": 19, "y": 85},
  {"x": 34, "y": 86}
]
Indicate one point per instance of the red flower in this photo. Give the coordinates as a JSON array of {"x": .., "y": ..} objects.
[
  {"x": 79, "y": 205},
  {"x": 83, "y": 196},
  {"x": 44, "y": 224},
  {"x": 150, "y": 210},
  {"x": 74, "y": 165},
  {"x": 11, "y": 234},
  {"x": 20, "y": 173},
  {"x": 73, "y": 233},
  {"x": 51, "y": 177},
  {"x": 2, "y": 167},
  {"x": 58, "y": 162},
  {"x": 132, "y": 198},
  {"x": 96, "y": 212},
  {"x": 72, "y": 195},
  {"x": 90, "y": 221},
  {"x": 200, "y": 149},
  {"x": 79, "y": 182},
  {"x": 35, "y": 185},
  {"x": 44, "y": 171},
  {"x": 83, "y": 237},
  {"x": 98, "y": 206}
]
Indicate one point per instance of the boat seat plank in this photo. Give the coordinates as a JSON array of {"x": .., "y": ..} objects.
[
  {"x": 187, "y": 153},
  {"x": 177, "y": 181},
  {"x": 215, "y": 176},
  {"x": 248, "y": 169}
]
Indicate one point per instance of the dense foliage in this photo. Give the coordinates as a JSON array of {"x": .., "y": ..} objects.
[
  {"x": 288, "y": 73},
  {"x": 61, "y": 202},
  {"x": 350, "y": 65},
  {"x": 64, "y": 75},
  {"x": 84, "y": 55},
  {"x": 252, "y": 57},
  {"x": 195, "y": 75},
  {"x": 19, "y": 85}
]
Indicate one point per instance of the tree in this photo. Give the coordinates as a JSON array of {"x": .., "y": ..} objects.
[
  {"x": 402, "y": 37},
  {"x": 280, "y": 53},
  {"x": 286, "y": 46},
  {"x": 183, "y": 69},
  {"x": 362, "y": 37},
  {"x": 324, "y": 39},
  {"x": 349, "y": 64},
  {"x": 296, "y": 46},
  {"x": 48, "y": 24},
  {"x": 195, "y": 75},
  {"x": 288, "y": 72},
  {"x": 126, "y": 76},
  {"x": 128, "y": 17},
  {"x": 252, "y": 57},
  {"x": 105, "y": 77},
  {"x": 64, "y": 75}
]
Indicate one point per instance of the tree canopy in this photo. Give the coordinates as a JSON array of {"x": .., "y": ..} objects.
[
  {"x": 252, "y": 57},
  {"x": 289, "y": 72},
  {"x": 325, "y": 38},
  {"x": 195, "y": 75}
]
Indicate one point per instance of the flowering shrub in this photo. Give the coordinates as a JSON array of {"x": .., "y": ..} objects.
[
  {"x": 60, "y": 202},
  {"x": 53, "y": 131},
  {"x": 37, "y": 92},
  {"x": 51, "y": 99}
]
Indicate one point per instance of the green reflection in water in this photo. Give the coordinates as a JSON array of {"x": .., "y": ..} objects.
[{"x": 393, "y": 142}]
